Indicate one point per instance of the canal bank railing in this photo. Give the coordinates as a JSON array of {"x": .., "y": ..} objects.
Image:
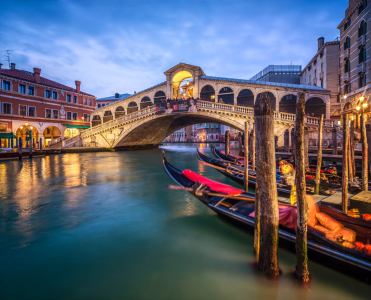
[{"x": 201, "y": 105}]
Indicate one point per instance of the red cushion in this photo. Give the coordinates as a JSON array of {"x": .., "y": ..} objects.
[{"x": 213, "y": 185}]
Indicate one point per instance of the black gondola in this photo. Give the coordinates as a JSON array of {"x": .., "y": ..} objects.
[{"x": 354, "y": 263}]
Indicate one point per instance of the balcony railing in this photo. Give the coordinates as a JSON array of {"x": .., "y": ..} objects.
[
  {"x": 346, "y": 77},
  {"x": 361, "y": 41},
  {"x": 346, "y": 54},
  {"x": 361, "y": 68}
]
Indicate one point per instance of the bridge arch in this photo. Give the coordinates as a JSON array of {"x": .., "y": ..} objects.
[
  {"x": 132, "y": 107},
  {"x": 288, "y": 104},
  {"x": 159, "y": 97},
  {"x": 272, "y": 97},
  {"x": 145, "y": 102},
  {"x": 207, "y": 93},
  {"x": 119, "y": 112},
  {"x": 245, "y": 98},
  {"x": 96, "y": 121},
  {"x": 108, "y": 116},
  {"x": 315, "y": 106},
  {"x": 226, "y": 95}
]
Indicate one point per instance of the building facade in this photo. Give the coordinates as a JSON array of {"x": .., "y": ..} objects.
[
  {"x": 354, "y": 71},
  {"x": 281, "y": 73},
  {"x": 323, "y": 71},
  {"x": 49, "y": 109}
]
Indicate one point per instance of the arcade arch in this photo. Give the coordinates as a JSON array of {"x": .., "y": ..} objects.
[
  {"x": 159, "y": 97},
  {"x": 96, "y": 121},
  {"x": 271, "y": 97},
  {"x": 315, "y": 107},
  {"x": 107, "y": 116},
  {"x": 207, "y": 93},
  {"x": 132, "y": 107},
  {"x": 120, "y": 112},
  {"x": 53, "y": 132},
  {"x": 226, "y": 96},
  {"x": 23, "y": 133},
  {"x": 178, "y": 78},
  {"x": 245, "y": 98},
  {"x": 288, "y": 104},
  {"x": 145, "y": 102}
]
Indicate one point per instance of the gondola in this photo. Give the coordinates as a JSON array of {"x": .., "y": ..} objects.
[
  {"x": 354, "y": 263},
  {"x": 325, "y": 187}
]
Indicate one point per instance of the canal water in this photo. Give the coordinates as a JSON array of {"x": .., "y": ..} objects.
[{"x": 103, "y": 226}]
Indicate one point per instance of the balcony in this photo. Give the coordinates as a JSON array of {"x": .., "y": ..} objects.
[
  {"x": 321, "y": 75},
  {"x": 346, "y": 77},
  {"x": 361, "y": 68},
  {"x": 361, "y": 41},
  {"x": 346, "y": 54}
]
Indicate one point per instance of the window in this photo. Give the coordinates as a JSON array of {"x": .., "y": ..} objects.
[
  {"x": 103, "y": 104},
  {"x": 315, "y": 61},
  {"x": 347, "y": 43},
  {"x": 321, "y": 54},
  {"x": 90, "y": 102},
  {"x": 338, "y": 98},
  {"x": 362, "y": 55},
  {"x": 309, "y": 68},
  {"x": 48, "y": 113},
  {"x": 346, "y": 89},
  {"x": 85, "y": 118},
  {"x": 74, "y": 116},
  {"x": 22, "y": 89},
  {"x": 362, "y": 81},
  {"x": 6, "y": 85},
  {"x": 7, "y": 108},
  {"x": 347, "y": 66},
  {"x": 98, "y": 105},
  {"x": 23, "y": 110},
  {"x": 362, "y": 29},
  {"x": 75, "y": 99},
  {"x": 85, "y": 101},
  {"x": 347, "y": 24},
  {"x": 31, "y": 90},
  {"x": 68, "y": 115},
  {"x": 31, "y": 111},
  {"x": 321, "y": 83},
  {"x": 47, "y": 94},
  {"x": 55, "y": 114},
  {"x": 55, "y": 95},
  {"x": 362, "y": 6},
  {"x": 339, "y": 79},
  {"x": 68, "y": 99}
]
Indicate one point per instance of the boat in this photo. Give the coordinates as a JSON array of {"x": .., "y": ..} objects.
[
  {"x": 354, "y": 263},
  {"x": 332, "y": 184},
  {"x": 8, "y": 155}
]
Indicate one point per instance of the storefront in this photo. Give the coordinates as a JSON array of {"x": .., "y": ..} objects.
[
  {"x": 7, "y": 140},
  {"x": 73, "y": 130}
]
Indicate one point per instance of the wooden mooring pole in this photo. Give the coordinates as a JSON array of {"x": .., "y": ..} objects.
[
  {"x": 302, "y": 205},
  {"x": 364, "y": 153},
  {"x": 252, "y": 147},
  {"x": 30, "y": 142},
  {"x": 20, "y": 148},
  {"x": 306, "y": 147},
  {"x": 246, "y": 175},
  {"x": 344, "y": 195},
  {"x": 240, "y": 144},
  {"x": 266, "y": 187},
  {"x": 334, "y": 142},
  {"x": 351, "y": 154},
  {"x": 319, "y": 157},
  {"x": 286, "y": 141},
  {"x": 227, "y": 142}
]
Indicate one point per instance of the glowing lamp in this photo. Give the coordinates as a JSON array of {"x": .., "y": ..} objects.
[
  {"x": 362, "y": 98},
  {"x": 31, "y": 127},
  {"x": 21, "y": 127},
  {"x": 26, "y": 124},
  {"x": 358, "y": 108},
  {"x": 345, "y": 96},
  {"x": 364, "y": 105}
]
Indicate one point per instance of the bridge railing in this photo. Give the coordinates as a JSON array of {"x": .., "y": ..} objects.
[
  {"x": 249, "y": 110},
  {"x": 144, "y": 111}
]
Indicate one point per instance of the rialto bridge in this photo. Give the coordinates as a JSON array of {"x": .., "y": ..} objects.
[{"x": 136, "y": 121}]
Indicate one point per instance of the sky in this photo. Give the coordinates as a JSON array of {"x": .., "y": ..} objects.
[{"x": 126, "y": 46}]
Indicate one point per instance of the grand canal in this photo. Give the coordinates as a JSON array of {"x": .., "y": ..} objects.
[{"x": 103, "y": 226}]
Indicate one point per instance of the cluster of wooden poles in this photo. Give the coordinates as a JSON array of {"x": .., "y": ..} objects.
[{"x": 261, "y": 142}]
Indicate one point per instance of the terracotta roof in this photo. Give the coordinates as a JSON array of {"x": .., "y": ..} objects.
[{"x": 29, "y": 76}]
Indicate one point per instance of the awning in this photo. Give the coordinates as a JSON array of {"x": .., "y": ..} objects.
[
  {"x": 6, "y": 135},
  {"x": 77, "y": 126}
]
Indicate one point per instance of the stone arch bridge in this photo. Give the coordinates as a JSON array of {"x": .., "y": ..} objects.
[{"x": 134, "y": 122}]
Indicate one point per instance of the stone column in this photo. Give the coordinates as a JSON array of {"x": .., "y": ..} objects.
[
  {"x": 196, "y": 90},
  {"x": 168, "y": 87},
  {"x": 328, "y": 106}
]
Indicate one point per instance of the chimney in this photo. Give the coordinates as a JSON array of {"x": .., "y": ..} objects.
[
  {"x": 78, "y": 83},
  {"x": 321, "y": 42},
  {"x": 135, "y": 92},
  {"x": 117, "y": 95},
  {"x": 1, "y": 65},
  {"x": 36, "y": 73},
  {"x": 12, "y": 66}
]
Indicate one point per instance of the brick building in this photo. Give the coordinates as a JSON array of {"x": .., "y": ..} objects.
[{"x": 50, "y": 109}]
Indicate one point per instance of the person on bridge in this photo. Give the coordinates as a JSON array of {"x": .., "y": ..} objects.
[{"x": 168, "y": 110}]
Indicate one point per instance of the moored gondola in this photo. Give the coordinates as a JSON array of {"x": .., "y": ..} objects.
[{"x": 354, "y": 263}]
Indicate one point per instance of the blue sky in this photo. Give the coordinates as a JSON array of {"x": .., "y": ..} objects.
[{"x": 125, "y": 46}]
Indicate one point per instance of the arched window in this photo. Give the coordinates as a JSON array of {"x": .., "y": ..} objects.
[
  {"x": 96, "y": 120},
  {"x": 288, "y": 104},
  {"x": 107, "y": 116},
  {"x": 362, "y": 55},
  {"x": 207, "y": 93},
  {"x": 315, "y": 107},
  {"x": 159, "y": 97},
  {"x": 321, "y": 67},
  {"x": 362, "y": 81},
  {"x": 120, "y": 112},
  {"x": 362, "y": 29},
  {"x": 145, "y": 102},
  {"x": 347, "y": 43},
  {"x": 99, "y": 105}
]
